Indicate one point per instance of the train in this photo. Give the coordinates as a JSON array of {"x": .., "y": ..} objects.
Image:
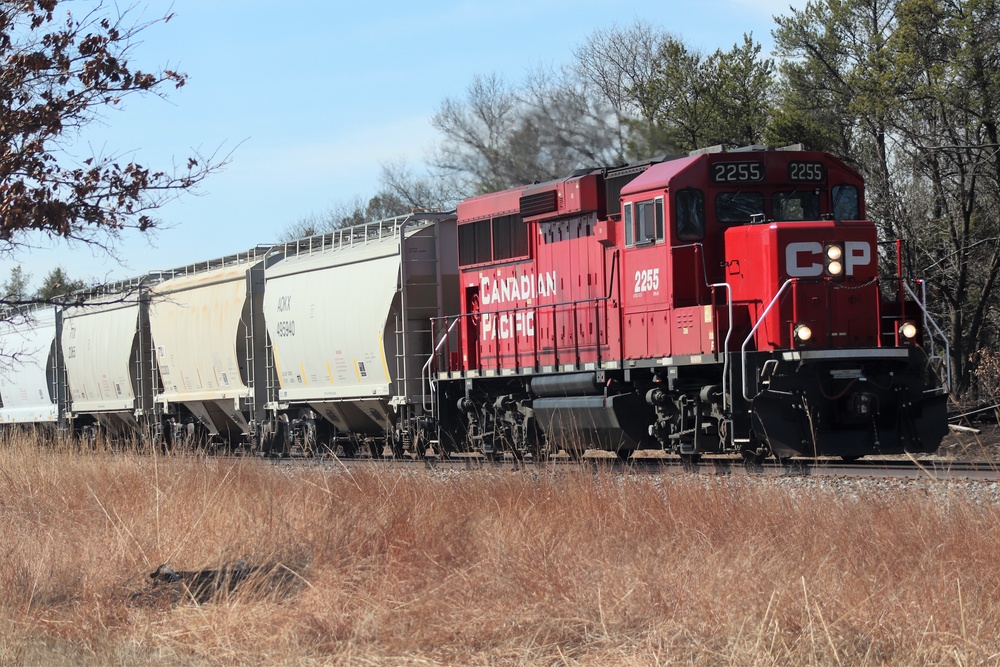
[{"x": 728, "y": 301}]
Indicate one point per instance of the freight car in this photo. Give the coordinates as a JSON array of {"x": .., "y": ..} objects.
[
  {"x": 348, "y": 319},
  {"x": 30, "y": 390},
  {"x": 718, "y": 302}
]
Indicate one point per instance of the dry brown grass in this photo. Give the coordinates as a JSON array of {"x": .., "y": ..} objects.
[{"x": 382, "y": 567}]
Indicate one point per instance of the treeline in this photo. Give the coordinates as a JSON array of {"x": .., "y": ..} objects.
[
  {"x": 906, "y": 91},
  {"x": 16, "y": 290}
]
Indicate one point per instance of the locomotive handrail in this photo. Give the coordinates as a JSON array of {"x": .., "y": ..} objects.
[
  {"x": 427, "y": 366},
  {"x": 532, "y": 308},
  {"x": 725, "y": 344},
  {"x": 729, "y": 299},
  {"x": 760, "y": 320},
  {"x": 929, "y": 318}
]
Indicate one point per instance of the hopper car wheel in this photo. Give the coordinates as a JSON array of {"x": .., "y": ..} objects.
[
  {"x": 376, "y": 449},
  {"x": 266, "y": 438},
  {"x": 397, "y": 448},
  {"x": 309, "y": 440},
  {"x": 625, "y": 454},
  {"x": 187, "y": 436},
  {"x": 441, "y": 448},
  {"x": 279, "y": 446},
  {"x": 850, "y": 459},
  {"x": 541, "y": 452},
  {"x": 574, "y": 452}
]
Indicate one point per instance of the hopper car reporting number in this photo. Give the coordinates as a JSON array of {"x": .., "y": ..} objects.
[{"x": 737, "y": 172}]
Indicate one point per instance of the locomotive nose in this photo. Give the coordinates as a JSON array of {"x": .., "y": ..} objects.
[{"x": 862, "y": 403}]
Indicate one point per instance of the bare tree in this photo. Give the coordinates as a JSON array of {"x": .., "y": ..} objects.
[
  {"x": 622, "y": 62},
  {"x": 60, "y": 70},
  {"x": 477, "y": 135},
  {"x": 577, "y": 126},
  {"x": 429, "y": 192}
]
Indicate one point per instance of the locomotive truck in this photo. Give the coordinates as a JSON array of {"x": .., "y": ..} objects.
[{"x": 725, "y": 301}]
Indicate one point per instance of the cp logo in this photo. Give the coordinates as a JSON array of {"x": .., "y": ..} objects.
[{"x": 805, "y": 258}]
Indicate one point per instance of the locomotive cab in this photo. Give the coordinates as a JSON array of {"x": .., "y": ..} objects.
[
  {"x": 816, "y": 370},
  {"x": 754, "y": 276}
]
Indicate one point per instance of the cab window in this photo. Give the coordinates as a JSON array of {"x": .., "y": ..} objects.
[
  {"x": 629, "y": 229},
  {"x": 690, "y": 225},
  {"x": 644, "y": 222},
  {"x": 738, "y": 207},
  {"x": 796, "y": 205},
  {"x": 846, "y": 203}
]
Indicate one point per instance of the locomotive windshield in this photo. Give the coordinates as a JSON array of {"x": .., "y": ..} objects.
[
  {"x": 796, "y": 205},
  {"x": 738, "y": 207},
  {"x": 845, "y": 203}
]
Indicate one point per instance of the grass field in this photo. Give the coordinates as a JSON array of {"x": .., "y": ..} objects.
[{"x": 382, "y": 567}]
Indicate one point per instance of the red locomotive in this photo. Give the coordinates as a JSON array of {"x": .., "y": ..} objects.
[{"x": 720, "y": 302}]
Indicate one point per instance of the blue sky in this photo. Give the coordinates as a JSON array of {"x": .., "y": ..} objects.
[{"x": 313, "y": 98}]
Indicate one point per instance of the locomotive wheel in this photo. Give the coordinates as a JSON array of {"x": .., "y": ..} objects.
[
  {"x": 690, "y": 461},
  {"x": 753, "y": 457},
  {"x": 397, "y": 448},
  {"x": 756, "y": 451}
]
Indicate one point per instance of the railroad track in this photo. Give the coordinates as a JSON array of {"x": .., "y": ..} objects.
[{"x": 928, "y": 469}]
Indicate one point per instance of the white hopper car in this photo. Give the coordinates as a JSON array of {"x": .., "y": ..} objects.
[{"x": 316, "y": 343}]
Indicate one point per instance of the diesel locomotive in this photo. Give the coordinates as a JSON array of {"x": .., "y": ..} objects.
[{"x": 721, "y": 302}]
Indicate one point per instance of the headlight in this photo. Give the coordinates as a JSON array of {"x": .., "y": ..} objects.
[
  {"x": 834, "y": 254},
  {"x": 803, "y": 333},
  {"x": 908, "y": 330}
]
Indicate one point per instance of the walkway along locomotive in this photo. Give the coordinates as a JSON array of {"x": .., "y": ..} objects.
[{"x": 719, "y": 302}]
